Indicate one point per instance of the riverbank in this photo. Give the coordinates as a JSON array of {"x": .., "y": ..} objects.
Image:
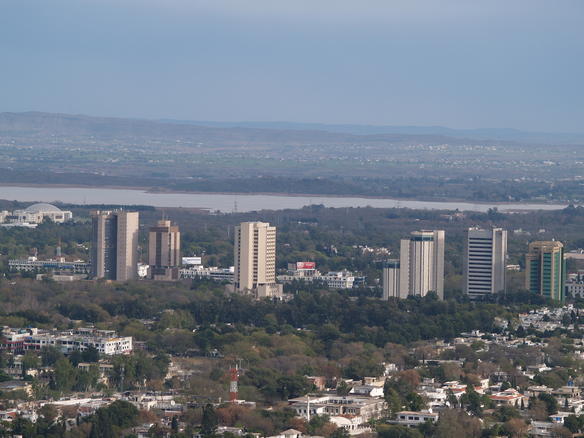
[{"x": 231, "y": 202}]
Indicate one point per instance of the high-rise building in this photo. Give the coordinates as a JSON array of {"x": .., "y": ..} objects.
[
  {"x": 422, "y": 264},
  {"x": 255, "y": 259},
  {"x": 545, "y": 269},
  {"x": 164, "y": 251},
  {"x": 114, "y": 251},
  {"x": 486, "y": 257},
  {"x": 391, "y": 280}
]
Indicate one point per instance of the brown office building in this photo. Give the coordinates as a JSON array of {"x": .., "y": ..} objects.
[
  {"x": 114, "y": 250},
  {"x": 164, "y": 251}
]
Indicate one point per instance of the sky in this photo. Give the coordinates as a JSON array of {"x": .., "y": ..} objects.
[{"x": 456, "y": 63}]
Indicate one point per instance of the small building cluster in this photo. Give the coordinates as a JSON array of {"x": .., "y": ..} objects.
[
  {"x": 34, "y": 215},
  {"x": 106, "y": 342}
]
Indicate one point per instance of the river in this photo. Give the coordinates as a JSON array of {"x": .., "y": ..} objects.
[{"x": 234, "y": 202}]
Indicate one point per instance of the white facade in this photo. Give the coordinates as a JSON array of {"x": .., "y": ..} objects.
[
  {"x": 334, "y": 279},
  {"x": 413, "y": 418},
  {"x": 422, "y": 264},
  {"x": 37, "y": 213},
  {"x": 486, "y": 254},
  {"x": 32, "y": 264},
  {"x": 212, "y": 273},
  {"x": 338, "y": 279},
  {"x": 575, "y": 285},
  {"x": 104, "y": 341}
]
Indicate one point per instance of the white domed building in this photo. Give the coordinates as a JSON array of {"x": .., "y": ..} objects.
[{"x": 37, "y": 213}]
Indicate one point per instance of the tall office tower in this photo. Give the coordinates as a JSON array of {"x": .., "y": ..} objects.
[
  {"x": 486, "y": 256},
  {"x": 164, "y": 251},
  {"x": 545, "y": 269},
  {"x": 114, "y": 251},
  {"x": 255, "y": 259},
  {"x": 422, "y": 263},
  {"x": 391, "y": 286}
]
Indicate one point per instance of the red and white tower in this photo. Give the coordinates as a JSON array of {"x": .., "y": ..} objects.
[{"x": 233, "y": 384}]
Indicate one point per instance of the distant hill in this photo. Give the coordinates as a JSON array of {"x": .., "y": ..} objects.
[
  {"x": 40, "y": 124},
  {"x": 507, "y": 134}
]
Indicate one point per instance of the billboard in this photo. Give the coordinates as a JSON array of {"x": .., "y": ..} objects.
[
  {"x": 191, "y": 260},
  {"x": 305, "y": 265}
]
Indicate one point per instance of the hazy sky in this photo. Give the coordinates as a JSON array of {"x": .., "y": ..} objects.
[{"x": 457, "y": 63}]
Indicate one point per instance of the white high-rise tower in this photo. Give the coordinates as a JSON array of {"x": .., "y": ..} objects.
[{"x": 486, "y": 256}]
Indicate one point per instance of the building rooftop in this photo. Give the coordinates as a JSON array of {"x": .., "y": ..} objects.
[{"x": 41, "y": 207}]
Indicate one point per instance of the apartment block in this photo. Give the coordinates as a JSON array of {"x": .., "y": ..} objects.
[{"x": 255, "y": 260}]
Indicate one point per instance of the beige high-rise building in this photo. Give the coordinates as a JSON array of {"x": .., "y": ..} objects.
[
  {"x": 422, "y": 264},
  {"x": 391, "y": 280},
  {"x": 164, "y": 251},
  {"x": 115, "y": 245},
  {"x": 255, "y": 259}
]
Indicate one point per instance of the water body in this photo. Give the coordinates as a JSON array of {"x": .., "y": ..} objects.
[{"x": 227, "y": 203}]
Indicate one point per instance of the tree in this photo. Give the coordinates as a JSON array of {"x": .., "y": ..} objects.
[
  {"x": 340, "y": 432},
  {"x": 209, "y": 421},
  {"x": 65, "y": 375},
  {"x": 384, "y": 431},
  {"x": 30, "y": 361},
  {"x": 392, "y": 399},
  {"x": 343, "y": 388},
  {"x": 472, "y": 401},
  {"x": 451, "y": 398},
  {"x": 573, "y": 423},
  {"x": 516, "y": 428},
  {"x": 174, "y": 424},
  {"x": 457, "y": 423},
  {"x": 415, "y": 402},
  {"x": 86, "y": 380},
  {"x": 550, "y": 402},
  {"x": 561, "y": 432},
  {"x": 50, "y": 355},
  {"x": 107, "y": 422},
  {"x": 292, "y": 386},
  {"x": 90, "y": 355}
]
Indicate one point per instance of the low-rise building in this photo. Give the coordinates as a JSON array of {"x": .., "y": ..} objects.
[
  {"x": 509, "y": 397},
  {"x": 306, "y": 271},
  {"x": 365, "y": 408},
  {"x": 211, "y": 273},
  {"x": 415, "y": 418},
  {"x": 575, "y": 284},
  {"x": 32, "y": 264},
  {"x": 106, "y": 342},
  {"x": 35, "y": 214}
]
